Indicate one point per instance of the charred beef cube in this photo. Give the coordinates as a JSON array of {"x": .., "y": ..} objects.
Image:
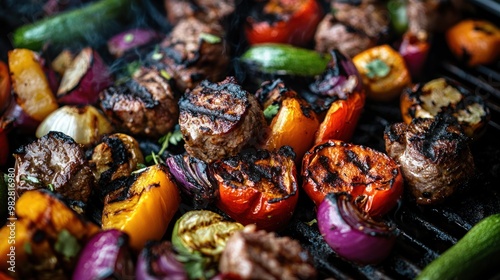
[
  {"x": 205, "y": 10},
  {"x": 146, "y": 105},
  {"x": 434, "y": 155},
  {"x": 55, "y": 162},
  {"x": 433, "y": 15},
  {"x": 331, "y": 34},
  {"x": 193, "y": 51},
  {"x": 252, "y": 254},
  {"x": 368, "y": 16},
  {"x": 354, "y": 27},
  {"x": 218, "y": 120}
]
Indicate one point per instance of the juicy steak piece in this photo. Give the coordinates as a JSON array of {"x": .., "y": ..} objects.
[
  {"x": 145, "y": 105},
  {"x": 205, "y": 10},
  {"x": 252, "y": 254},
  {"x": 55, "y": 162},
  {"x": 193, "y": 51},
  {"x": 434, "y": 156},
  {"x": 218, "y": 120}
]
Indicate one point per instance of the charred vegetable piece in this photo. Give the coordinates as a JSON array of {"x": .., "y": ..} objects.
[
  {"x": 5, "y": 87},
  {"x": 49, "y": 236},
  {"x": 339, "y": 86},
  {"x": 193, "y": 179},
  {"x": 73, "y": 25},
  {"x": 145, "y": 105},
  {"x": 84, "y": 79},
  {"x": 218, "y": 120},
  {"x": 257, "y": 254},
  {"x": 278, "y": 21},
  {"x": 147, "y": 200},
  {"x": 258, "y": 187},
  {"x": 158, "y": 261},
  {"x": 372, "y": 178},
  {"x": 353, "y": 234},
  {"x": 434, "y": 156},
  {"x": 33, "y": 97},
  {"x": 294, "y": 124},
  {"x": 383, "y": 71},
  {"x": 85, "y": 124},
  {"x": 474, "y": 42},
  {"x": 116, "y": 156},
  {"x": 106, "y": 255},
  {"x": 65, "y": 169},
  {"x": 200, "y": 236},
  {"x": 427, "y": 100}
]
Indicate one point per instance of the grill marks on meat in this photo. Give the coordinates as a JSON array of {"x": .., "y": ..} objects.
[
  {"x": 188, "y": 57},
  {"x": 353, "y": 27},
  {"x": 57, "y": 162},
  {"x": 434, "y": 156},
  {"x": 145, "y": 105},
  {"x": 205, "y": 10},
  {"x": 219, "y": 120},
  {"x": 252, "y": 254}
]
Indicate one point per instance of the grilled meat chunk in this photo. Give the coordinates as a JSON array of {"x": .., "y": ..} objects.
[
  {"x": 354, "y": 27},
  {"x": 116, "y": 156},
  {"x": 367, "y": 16},
  {"x": 56, "y": 162},
  {"x": 434, "y": 156},
  {"x": 218, "y": 120},
  {"x": 193, "y": 51},
  {"x": 331, "y": 34},
  {"x": 433, "y": 15},
  {"x": 145, "y": 105},
  {"x": 252, "y": 254},
  {"x": 205, "y": 10}
]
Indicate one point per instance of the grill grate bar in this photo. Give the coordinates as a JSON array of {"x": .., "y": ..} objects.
[{"x": 462, "y": 74}]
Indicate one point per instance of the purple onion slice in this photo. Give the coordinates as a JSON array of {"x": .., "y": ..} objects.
[
  {"x": 105, "y": 256},
  {"x": 352, "y": 234},
  {"x": 158, "y": 261}
]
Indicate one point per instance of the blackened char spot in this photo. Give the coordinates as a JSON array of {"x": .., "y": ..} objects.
[{"x": 362, "y": 165}]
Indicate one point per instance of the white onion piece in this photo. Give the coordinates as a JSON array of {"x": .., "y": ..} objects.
[{"x": 85, "y": 124}]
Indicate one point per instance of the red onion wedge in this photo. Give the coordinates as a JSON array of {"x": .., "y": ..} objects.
[
  {"x": 158, "y": 261},
  {"x": 84, "y": 79},
  {"x": 106, "y": 255},
  {"x": 193, "y": 178},
  {"x": 352, "y": 234},
  {"x": 125, "y": 41},
  {"x": 414, "y": 49}
]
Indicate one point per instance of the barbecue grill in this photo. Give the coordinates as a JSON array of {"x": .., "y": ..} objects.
[{"x": 425, "y": 231}]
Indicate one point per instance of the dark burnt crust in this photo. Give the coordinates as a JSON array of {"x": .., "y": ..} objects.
[{"x": 257, "y": 166}]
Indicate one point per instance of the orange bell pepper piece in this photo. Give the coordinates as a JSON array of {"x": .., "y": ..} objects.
[
  {"x": 149, "y": 205},
  {"x": 30, "y": 85},
  {"x": 295, "y": 125}
]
